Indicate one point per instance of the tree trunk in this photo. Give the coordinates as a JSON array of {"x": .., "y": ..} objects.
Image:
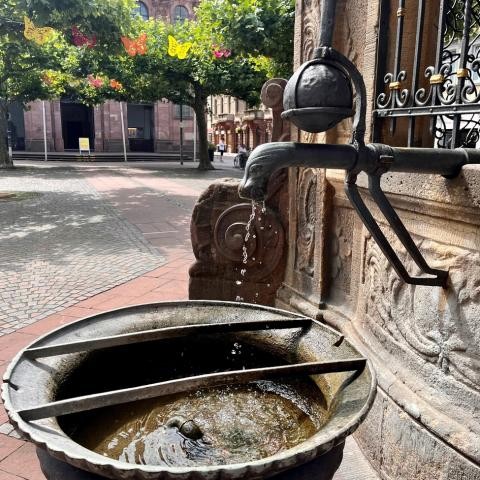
[
  {"x": 5, "y": 160},
  {"x": 200, "y": 109}
]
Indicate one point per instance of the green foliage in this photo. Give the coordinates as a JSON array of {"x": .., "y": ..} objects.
[
  {"x": 252, "y": 31},
  {"x": 259, "y": 34},
  {"x": 23, "y": 62},
  {"x": 29, "y": 71},
  {"x": 261, "y": 28}
]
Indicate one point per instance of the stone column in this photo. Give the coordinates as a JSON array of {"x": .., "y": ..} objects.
[
  {"x": 99, "y": 124},
  {"x": 57, "y": 125},
  {"x": 162, "y": 118},
  {"x": 113, "y": 129}
]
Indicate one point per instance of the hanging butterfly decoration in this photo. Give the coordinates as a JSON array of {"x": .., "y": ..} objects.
[
  {"x": 116, "y": 85},
  {"x": 136, "y": 46},
  {"x": 95, "y": 82},
  {"x": 177, "y": 49},
  {"x": 219, "y": 52},
  {"x": 39, "y": 35},
  {"x": 82, "y": 40}
]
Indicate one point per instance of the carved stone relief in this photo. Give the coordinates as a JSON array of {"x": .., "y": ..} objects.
[
  {"x": 218, "y": 232},
  {"x": 306, "y": 221},
  {"x": 310, "y": 28},
  {"x": 341, "y": 242},
  {"x": 437, "y": 325}
]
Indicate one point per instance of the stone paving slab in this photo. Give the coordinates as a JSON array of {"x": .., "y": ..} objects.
[{"x": 60, "y": 245}]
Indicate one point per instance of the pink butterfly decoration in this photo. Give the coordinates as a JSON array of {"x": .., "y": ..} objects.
[
  {"x": 221, "y": 52},
  {"x": 95, "y": 82},
  {"x": 82, "y": 40}
]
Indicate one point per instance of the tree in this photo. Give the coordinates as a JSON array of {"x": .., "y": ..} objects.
[
  {"x": 187, "y": 62},
  {"x": 31, "y": 70},
  {"x": 256, "y": 27}
]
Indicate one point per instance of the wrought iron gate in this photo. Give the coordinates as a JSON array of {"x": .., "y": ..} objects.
[{"x": 441, "y": 80}]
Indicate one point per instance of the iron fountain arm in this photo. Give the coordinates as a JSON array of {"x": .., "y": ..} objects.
[
  {"x": 374, "y": 160},
  {"x": 268, "y": 158},
  {"x": 317, "y": 97}
]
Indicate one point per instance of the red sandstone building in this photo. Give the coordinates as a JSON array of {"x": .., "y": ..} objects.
[
  {"x": 232, "y": 121},
  {"x": 148, "y": 127}
]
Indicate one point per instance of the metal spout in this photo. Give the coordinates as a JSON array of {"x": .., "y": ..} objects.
[{"x": 266, "y": 159}]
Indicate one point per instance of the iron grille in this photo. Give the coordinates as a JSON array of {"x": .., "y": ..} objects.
[{"x": 428, "y": 73}]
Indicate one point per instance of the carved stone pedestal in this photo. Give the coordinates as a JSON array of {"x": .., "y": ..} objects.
[{"x": 232, "y": 264}]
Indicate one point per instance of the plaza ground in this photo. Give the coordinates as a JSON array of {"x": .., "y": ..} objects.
[{"x": 80, "y": 239}]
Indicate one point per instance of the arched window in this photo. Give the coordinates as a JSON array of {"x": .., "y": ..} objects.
[
  {"x": 142, "y": 10},
  {"x": 180, "y": 14}
]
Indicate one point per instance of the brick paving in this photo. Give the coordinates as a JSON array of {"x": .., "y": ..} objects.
[{"x": 151, "y": 205}]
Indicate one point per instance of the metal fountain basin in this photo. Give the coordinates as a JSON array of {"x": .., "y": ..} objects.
[{"x": 36, "y": 373}]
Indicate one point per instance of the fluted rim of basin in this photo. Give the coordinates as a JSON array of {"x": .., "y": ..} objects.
[{"x": 66, "y": 449}]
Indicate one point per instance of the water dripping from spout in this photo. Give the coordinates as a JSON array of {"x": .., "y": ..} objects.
[
  {"x": 258, "y": 210},
  {"x": 247, "y": 235}
]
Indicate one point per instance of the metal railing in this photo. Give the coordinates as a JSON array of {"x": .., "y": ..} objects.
[{"x": 442, "y": 84}]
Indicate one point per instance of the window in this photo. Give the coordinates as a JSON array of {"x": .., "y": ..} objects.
[
  {"x": 142, "y": 10},
  {"x": 180, "y": 14},
  {"x": 186, "y": 111}
]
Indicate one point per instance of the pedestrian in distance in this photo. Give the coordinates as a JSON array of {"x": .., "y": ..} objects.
[
  {"x": 242, "y": 157},
  {"x": 221, "y": 149}
]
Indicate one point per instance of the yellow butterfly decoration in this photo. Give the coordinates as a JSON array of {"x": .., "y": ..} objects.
[
  {"x": 39, "y": 35},
  {"x": 177, "y": 49}
]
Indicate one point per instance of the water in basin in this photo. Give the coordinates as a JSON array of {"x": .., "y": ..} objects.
[{"x": 224, "y": 425}]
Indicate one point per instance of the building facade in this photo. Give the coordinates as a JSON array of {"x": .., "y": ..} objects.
[
  {"x": 147, "y": 127},
  {"x": 233, "y": 122}
]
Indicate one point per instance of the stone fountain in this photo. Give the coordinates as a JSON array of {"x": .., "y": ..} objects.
[{"x": 353, "y": 263}]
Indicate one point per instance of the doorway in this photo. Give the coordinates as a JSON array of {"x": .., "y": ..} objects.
[
  {"x": 16, "y": 126},
  {"x": 140, "y": 128},
  {"x": 77, "y": 122}
]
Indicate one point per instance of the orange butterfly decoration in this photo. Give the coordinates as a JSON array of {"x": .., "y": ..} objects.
[
  {"x": 136, "y": 46},
  {"x": 116, "y": 85}
]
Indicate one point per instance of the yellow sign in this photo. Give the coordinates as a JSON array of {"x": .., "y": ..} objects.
[{"x": 84, "y": 144}]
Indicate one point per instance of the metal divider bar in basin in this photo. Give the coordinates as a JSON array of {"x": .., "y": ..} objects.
[
  {"x": 90, "y": 345},
  {"x": 170, "y": 387}
]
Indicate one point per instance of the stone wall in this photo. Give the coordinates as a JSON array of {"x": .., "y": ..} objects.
[{"x": 423, "y": 341}]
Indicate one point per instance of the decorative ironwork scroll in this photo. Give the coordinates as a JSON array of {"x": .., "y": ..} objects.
[{"x": 448, "y": 89}]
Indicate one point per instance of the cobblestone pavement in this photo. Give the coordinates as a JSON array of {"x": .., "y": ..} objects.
[
  {"x": 145, "y": 214},
  {"x": 61, "y": 244}
]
